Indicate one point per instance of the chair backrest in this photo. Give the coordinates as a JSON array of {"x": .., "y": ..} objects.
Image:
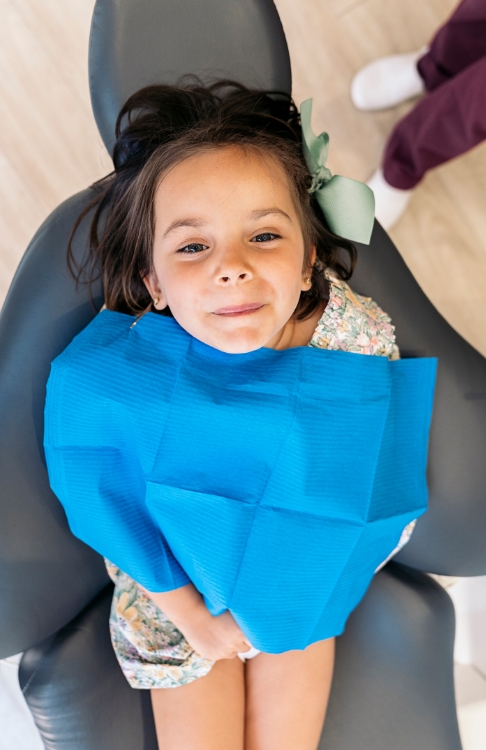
[
  {"x": 47, "y": 575},
  {"x": 449, "y": 538}
]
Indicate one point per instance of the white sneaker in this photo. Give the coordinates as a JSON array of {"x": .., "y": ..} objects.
[
  {"x": 386, "y": 82},
  {"x": 390, "y": 202}
]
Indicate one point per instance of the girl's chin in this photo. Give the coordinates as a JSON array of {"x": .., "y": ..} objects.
[
  {"x": 236, "y": 342},
  {"x": 236, "y": 347}
]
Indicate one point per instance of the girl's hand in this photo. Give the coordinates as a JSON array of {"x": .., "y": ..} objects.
[
  {"x": 212, "y": 637},
  {"x": 215, "y": 637}
]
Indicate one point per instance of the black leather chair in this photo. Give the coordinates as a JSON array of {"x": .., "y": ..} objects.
[{"x": 393, "y": 684}]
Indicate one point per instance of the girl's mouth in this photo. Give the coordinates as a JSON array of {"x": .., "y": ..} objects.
[{"x": 238, "y": 309}]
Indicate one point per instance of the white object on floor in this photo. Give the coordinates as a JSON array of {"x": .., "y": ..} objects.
[
  {"x": 469, "y": 597},
  {"x": 387, "y": 81},
  {"x": 470, "y": 687},
  {"x": 17, "y": 728},
  {"x": 390, "y": 202}
]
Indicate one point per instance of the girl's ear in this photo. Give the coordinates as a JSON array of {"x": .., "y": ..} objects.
[
  {"x": 153, "y": 288},
  {"x": 307, "y": 271},
  {"x": 313, "y": 256}
]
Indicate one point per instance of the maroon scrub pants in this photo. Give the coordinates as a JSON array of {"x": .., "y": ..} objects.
[{"x": 451, "y": 118}]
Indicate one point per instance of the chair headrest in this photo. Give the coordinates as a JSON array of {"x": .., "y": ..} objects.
[{"x": 135, "y": 43}]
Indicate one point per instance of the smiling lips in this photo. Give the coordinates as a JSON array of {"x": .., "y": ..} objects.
[{"x": 238, "y": 309}]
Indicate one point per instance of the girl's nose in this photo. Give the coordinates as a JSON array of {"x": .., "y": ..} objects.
[
  {"x": 233, "y": 277},
  {"x": 233, "y": 269}
]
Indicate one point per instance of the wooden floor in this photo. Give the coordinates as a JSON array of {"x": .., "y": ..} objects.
[{"x": 50, "y": 148}]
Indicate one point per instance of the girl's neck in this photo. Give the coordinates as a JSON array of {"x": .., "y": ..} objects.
[{"x": 299, "y": 332}]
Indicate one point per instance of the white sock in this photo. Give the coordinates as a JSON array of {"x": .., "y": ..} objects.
[{"x": 390, "y": 202}]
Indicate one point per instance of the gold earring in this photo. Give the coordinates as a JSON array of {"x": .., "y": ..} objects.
[
  {"x": 156, "y": 300},
  {"x": 308, "y": 280}
]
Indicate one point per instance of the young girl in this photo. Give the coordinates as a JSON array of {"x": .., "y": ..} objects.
[{"x": 208, "y": 217}]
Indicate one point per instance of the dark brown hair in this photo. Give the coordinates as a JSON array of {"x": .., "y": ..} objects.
[{"x": 159, "y": 127}]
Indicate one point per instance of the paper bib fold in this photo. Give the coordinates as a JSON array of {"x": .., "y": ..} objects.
[{"x": 275, "y": 481}]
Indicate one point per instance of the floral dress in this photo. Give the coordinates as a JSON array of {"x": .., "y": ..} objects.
[{"x": 151, "y": 651}]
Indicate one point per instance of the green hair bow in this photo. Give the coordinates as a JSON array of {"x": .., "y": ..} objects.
[{"x": 348, "y": 206}]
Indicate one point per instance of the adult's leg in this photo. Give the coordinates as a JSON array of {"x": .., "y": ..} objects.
[
  {"x": 446, "y": 123},
  {"x": 286, "y": 697},
  {"x": 460, "y": 42},
  {"x": 206, "y": 714}
]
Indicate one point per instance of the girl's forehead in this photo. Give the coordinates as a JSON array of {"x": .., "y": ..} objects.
[
  {"x": 226, "y": 163},
  {"x": 222, "y": 177}
]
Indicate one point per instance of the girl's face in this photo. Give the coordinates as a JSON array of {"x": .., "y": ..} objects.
[{"x": 228, "y": 250}]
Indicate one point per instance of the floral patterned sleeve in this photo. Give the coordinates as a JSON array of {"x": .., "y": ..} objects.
[{"x": 354, "y": 323}]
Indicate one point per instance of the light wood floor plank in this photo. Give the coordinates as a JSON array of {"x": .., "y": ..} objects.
[{"x": 49, "y": 144}]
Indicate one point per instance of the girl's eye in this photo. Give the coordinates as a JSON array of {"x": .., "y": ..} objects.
[
  {"x": 265, "y": 237},
  {"x": 194, "y": 247}
]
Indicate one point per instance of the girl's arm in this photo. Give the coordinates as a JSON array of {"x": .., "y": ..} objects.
[{"x": 183, "y": 605}]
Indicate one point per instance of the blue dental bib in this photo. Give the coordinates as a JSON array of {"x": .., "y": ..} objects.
[{"x": 275, "y": 481}]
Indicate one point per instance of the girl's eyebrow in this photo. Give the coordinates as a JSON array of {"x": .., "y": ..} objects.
[
  {"x": 261, "y": 212},
  {"x": 183, "y": 223}
]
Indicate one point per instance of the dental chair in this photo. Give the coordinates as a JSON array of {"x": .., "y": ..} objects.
[{"x": 393, "y": 686}]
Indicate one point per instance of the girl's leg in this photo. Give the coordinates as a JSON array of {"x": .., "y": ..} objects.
[
  {"x": 286, "y": 697},
  {"x": 206, "y": 714}
]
